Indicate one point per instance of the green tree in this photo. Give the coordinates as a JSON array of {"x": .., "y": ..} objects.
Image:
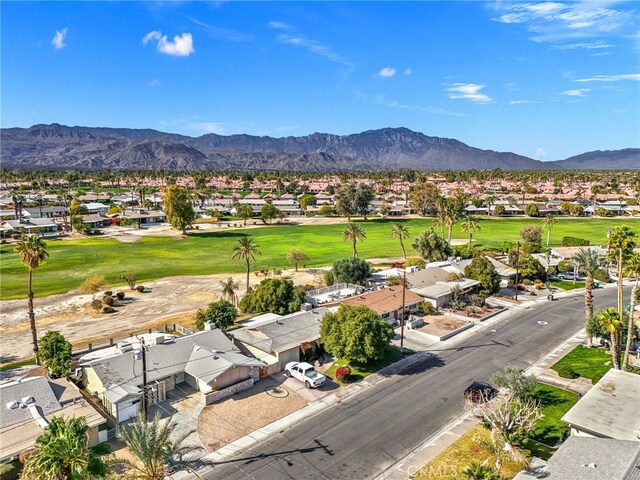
[
  {"x": 621, "y": 245},
  {"x": 532, "y": 210},
  {"x": 548, "y": 223},
  {"x": 155, "y": 446},
  {"x": 530, "y": 267},
  {"x": 275, "y": 295},
  {"x": 327, "y": 210},
  {"x": 345, "y": 201},
  {"x": 423, "y": 196},
  {"x": 482, "y": 270},
  {"x": 470, "y": 225},
  {"x": 32, "y": 251},
  {"x": 499, "y": 210},
  {"x": 222, "y": 314},
  {"x": 62, "y": 453},
  {"x": 632, "y": 268},
  {"x": 178, "y": 208},
  {"x": 268, "y": 212},
  {"x": 609, "y": 320},
  {"x": 246, "y": 250},
  {"x": 244, "y": 212},
  {"x": 78, "y": 224},
  {"x": 362, "y": 198},
  {"x": 76, "y": 207},
  {"x": 355, "y": 334},
  {"x": 296, "y": 256},
  {"x": 431, "y": 247},
  {"x": 307, "y": 200},
  {"x": 401, "y": 232},
  {"x": 351, "y": 270},
  {"x": 55, "y": 354},
  {"x": 522, "y": 386},
  {"x": 229, "y": 287},
  {"x": 589, "y": 262},
  {"x": 353, "y": 233},
  {"x": 532, "y": 234},
  {"x": 450, "y": 219}
]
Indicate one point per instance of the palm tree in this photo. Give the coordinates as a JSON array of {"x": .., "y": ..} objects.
[
  {"x": 548, "y": 223},
  {"x": 401, "y": 232},
  {"x": 352, "y": 233},
  {"x": 477, "y": 470},
  {"x": 632, "y": 268},
  {"x": 450, "y": 220},
  {"x": 470, "y": 225},
  {"x": 620, "y": 246},
  {"x": 152, "y": 444},
  {"x": 442, "y": 205},
  {"x": 229, "y": 287},
  {"x": 609, "y": 319},
  {"x": 32, "y": 250},
  {"x": 588, "y": 261},
  {"x": 62, "y": 452},
  {"x": 246, "y": 250}
]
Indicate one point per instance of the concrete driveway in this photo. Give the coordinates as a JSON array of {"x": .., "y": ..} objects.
[{"x": 311, "y": 394}]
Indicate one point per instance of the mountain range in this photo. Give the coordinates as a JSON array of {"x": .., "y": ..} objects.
[{"x": 59, "y": 147}]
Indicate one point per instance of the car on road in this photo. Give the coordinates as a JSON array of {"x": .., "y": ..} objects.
[
  {"x": 569, "y": 276},
  {"x": 480, "y": 392},
  {"x": 305, "y": 373}
]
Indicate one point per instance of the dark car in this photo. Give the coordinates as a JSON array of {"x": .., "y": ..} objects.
[{"x": 479, "y": 392}]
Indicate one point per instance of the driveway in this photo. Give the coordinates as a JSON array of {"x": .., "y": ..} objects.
[{"x": 310, "y": 394}]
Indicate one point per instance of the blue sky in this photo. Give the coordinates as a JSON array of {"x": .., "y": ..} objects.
[{"x": 542, "y": 79}]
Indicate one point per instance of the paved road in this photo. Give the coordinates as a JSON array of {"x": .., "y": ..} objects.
[{"x": 369, "y": 432}]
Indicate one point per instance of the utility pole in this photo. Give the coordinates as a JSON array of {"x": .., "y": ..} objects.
[
  {"x": 517, "y": 268},
  {"x": 404, "y": 289},
  {"x": 143, "y": 350}
]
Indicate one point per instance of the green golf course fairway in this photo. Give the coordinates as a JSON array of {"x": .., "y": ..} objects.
[{"x": 70, "y": 262}]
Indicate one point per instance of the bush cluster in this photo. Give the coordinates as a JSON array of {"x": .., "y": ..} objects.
[
  {"x": 342, "y": 374},
  {"x": 565, "y": 371},
  {"x": 569, "y": 241}
]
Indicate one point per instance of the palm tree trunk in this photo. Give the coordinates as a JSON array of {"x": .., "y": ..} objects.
[
  {"x": 620, "y": 299},
  {"x": 615, "y": 356},
  {"x": 248, "y": 271},
  {"x": 627, "y": 348},
  {"x": 548, "y": 235},
  {"x": 470, "y": 235},
  {"x": 355, "y": 251},
  {"x": 588, "y": 305},
  {"x": 403, "y": 250},
  {"x": 449, "y": 236},
  {"x": 32, "y": 318}
]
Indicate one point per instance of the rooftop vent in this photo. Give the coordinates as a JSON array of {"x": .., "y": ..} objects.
[
  {"x": 28, "y": 400},
  {"x": 589, "y": 465},
  {"x": 13, "y": 405}
]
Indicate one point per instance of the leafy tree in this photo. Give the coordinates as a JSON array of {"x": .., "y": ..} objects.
[
  {"x": 353, "y": 233},
  {"x": 362, "y": 198},
  {"x": 296, "y": 257},
  {"x": 155, "y": 446},
  {"x": 246, "y": 250},
  {"x": 306, "y": 200},
  {"x": 401, "y": 232},
  {"x": 55, "y": 354},
  {"x": 414, "y": 262},
  {"x": 482, "y": 270},
  {"x": 632, "y": 268},
  {"x": 609, "y": 320},
  {"x": 532, "y": 210},
  {"x": 423, "y": 196},
  {"x": 548, "y": 223},
  {"x": 222, "y": 314},
  {"x": 530, "y": 267},
  {"x": 229, "y": 287},
  {"x": 275, "y": 295},
  {"x": 621, "y": 244},
  {"x": 268, "y": 212},
  {"x": 393, "y": 280},
  {"x": 355, "y": 334},
  {"x": 588, "y": 261},
  {"x": 33, "y": 251},
  {"x": 76, "y": 207},
  {"x": 499, "y": 210},
  {"x": 522, "y": 386},
  {"x": 470, "y": 225},
  {"x": 327, "y": 210},
  {"x": 431, "y": 247},
  {"x": 178, "y": 208},
  {"x": 345, "y": 201},
  {"x": 351, "y": 270},
  {"x": 532, "y": 234},
  {"x": 62, "y": 452},
  {"x": 244, "y": 212},
  {"x": 78, "y": 224}
]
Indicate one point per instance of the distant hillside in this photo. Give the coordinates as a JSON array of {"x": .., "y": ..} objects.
[{"x": 86, "y": 148}]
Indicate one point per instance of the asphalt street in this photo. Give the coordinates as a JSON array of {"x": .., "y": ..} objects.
[{"x": 369, "y": 432}]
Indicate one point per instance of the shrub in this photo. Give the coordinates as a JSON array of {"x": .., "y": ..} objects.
[
  {"x": 342, "y": 374},
  {"x": 453, "y": 277},
  {"x": 569, "y": 241},
  {"x": 108, "y": 310},
  {"x": 414, "y": 262},
  {"x": 275, "y": 295},
  {"x": 140, "y": 288},
  {"x": 96, "y": 304},
  {"x": 427, "y": 308},
  {"x": 108, "y": 293},
  {"x": 601, "y": 276},
  {"x": 108, "y": 300},
  {"x": 566, "y": 371},
  {"x": 526, "y": 281},
  {"x": 120, "y": 295},
  {"x": 472, "y": 311},
  {"x": 222, "y": 314},
  {"x": 130, "y": 278},
  {"x": 393, "y": 280},
  {"x": 351, "y": 270},
  {"x": 457, "y": 304}
]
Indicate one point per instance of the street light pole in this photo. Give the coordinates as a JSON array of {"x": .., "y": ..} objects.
[
  {"x": 517, "y": 269},
  {"x": 404, "y": 288},
  {"x": 143, "y": 350}
]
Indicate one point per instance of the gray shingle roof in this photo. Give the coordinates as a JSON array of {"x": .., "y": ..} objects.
[
  {"x": 207, "y": 365},
  {"x": 38, "y": 388}
]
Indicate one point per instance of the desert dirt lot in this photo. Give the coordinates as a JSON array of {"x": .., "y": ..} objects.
[{"x": 171, "y": 299}]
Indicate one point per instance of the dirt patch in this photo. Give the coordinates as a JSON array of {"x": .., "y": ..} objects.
[
  {"x": 439, "y": 325},
  {"x": 234, "y": 417}
]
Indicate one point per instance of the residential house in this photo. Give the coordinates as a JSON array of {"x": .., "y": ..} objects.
[
  {"x": 611, "y": 409},
  {"x": 332, "y": 294},
  {"x": 96, "y": 221},
  {"x": 96, "y": 208},
  {"x": 144, "y": 217},
  {"x": 29, "y": 404},
  {"x": 54, "y": 211},
  {"x": 288, "y": 206},
  {"x": 43, "y": 227},
  {"x": 207, "y": 361},
  {"x": 434, "y": 285},
  {"x": 279, "y": 341},
  {"x": 387, "y": 302}
]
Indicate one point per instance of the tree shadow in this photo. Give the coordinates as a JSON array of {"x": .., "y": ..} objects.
[{"x": 221, "y": 234}]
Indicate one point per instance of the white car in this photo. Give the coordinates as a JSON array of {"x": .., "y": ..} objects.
[
  {"x": 569, "y": 276},
  {"x": 305, "y": 373}
]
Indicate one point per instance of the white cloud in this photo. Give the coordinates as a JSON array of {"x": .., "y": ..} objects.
[
  {"x": 578, "y": 92},
  {"x": 181, "y": 46},
  {"x": 314, "y": 47},
  {"x": 541, "y": 152},
  {"x": 585, "y": 45},
  {"x": 386, "y": 72},
  {"x": 278, "y": 26},
  {"x": 519, "y": 102},
  {"x": 58, "y": 39},
  {"x": 154, "y": 83},
  {"x": 408, "y": 71},
  {"x": 380, "y": 99},
  {"x": 210, "y": 127},
  {"x": 468, "y": 91},
  {"x": 611, "y": 78},
  {"x": 224, "y": 33}
]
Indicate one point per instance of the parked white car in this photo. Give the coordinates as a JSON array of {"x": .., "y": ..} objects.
[
  {"x": 569, "y": 276},
  {"x": 305, "y": 373}
]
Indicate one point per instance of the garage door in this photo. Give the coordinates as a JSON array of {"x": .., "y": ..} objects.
[{"x": 127, "y": 411}]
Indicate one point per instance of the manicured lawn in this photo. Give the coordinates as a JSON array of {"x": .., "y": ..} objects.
[
  {"x": 555, "y": 402},
  {"x": 566, "y": 284},
  {"x": 71, "y": 262},
  {"x": 360, "y": 371},
  {"x": 587, "y": 362},
  {"x": 23, "y": 363}
]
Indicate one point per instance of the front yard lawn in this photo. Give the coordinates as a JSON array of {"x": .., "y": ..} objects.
[
  {"x": 359, "y": 370},
  {"x": 555, "y": 402},
  {"x": 566, "y": 284},
  {"x": 587, "y": 362}
]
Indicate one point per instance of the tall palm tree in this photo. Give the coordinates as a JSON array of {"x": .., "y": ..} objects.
[
  {"x": 548, "y": 223},
  {"x": 609, "y": 319},
  {"x": 62, "y": 453},
  {"x": 33, "y": 251},
  {"x": 401, "y": 232},
  {"x": 632, "y": 268},
  {"x": 229, "y": 287},
  {"x": 588, "y": 261},
  {"x": 152, "y": 444},
  {"x": 246, "y": 250},
  {"x": 352, "y": 233},
  {"x": 470, "y": 225},
  {"x": 442, "y": 205},
  {"x": 450, "y": 220},
  {"x": 621, "y": 244}
]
